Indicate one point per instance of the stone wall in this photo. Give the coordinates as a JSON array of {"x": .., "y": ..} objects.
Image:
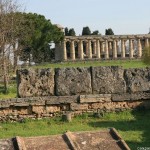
[
  {"x": 80, "y": 81},
  {"x": 47, "y": 92},
  {"x": 45, "y": 107}
]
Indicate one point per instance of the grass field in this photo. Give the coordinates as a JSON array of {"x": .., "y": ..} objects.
[
  {"x": 124, "y": 63},
  {"x": 133, "y": 126}
]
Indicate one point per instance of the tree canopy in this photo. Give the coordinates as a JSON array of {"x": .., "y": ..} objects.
[
  {"x": 86, "y": 31},
  {"x": 70, "y": 32},
  {"x": 96, "y": 32},
  {"x": 109, "y": 31},
  {"x": 38, "y": 34}
]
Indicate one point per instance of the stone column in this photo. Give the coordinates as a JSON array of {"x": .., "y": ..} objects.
[
  {"x": 87, "y": 48},
  {"x": 110, "y": 47},
  {"x": 117, "y": 46},
  {"x": 114, "y": 49},
  {"x": 98, "y": 55},
  {"x": 72, "y": 51},
  {"x": 80, "y": 50},
  {"x": 131, "y": 48},
  {"x": 94, "y": 47},
  {"x": 146, "y": 42},
  {"x": 139, "y": 46},
  {"x": 64, "y": 50},
  {"x": 122, "y": 48},
  {"x": 106, "y": 50},
  {"x": 102, "y": 47},
  {"x": 90, "y": 49}
]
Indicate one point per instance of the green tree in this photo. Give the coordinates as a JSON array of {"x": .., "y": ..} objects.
[
  {"x": 86, "y": 31},
  {"x": 66, "y": 31},
  {"x": 38, "y": 34},
  {"x": 96, "y": 32},
  {"x": 109, "y": 31},
  {"x": 146, "y": 55},
  {"x": 71, "y": 32}
]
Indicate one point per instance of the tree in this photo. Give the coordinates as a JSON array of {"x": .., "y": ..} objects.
[
  {"x": 86, "y": 31},
  {"x": 146, "y": 55},
  {"x": 39, "y": 33},
  {"x": 96, "y": 32},
  {"x": 71, "y": 32},
  {"x": 109, "y": 31},
  {"x": 8, "y": 35},
  {"x": 66, "y": 31}
]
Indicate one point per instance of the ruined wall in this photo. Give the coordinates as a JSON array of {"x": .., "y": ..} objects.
[
  {"x": 78, "y": 81},
  {"x": 47, "y": 92},
  {"x": 46, "y": 107}
]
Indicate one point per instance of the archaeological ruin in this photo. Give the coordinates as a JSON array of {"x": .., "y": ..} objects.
[
  {"x": 101, "y": 47},
  {"x": 46, "y": 93}
]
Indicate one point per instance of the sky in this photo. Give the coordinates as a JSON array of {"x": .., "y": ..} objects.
[{"x": 123, "y": 16}]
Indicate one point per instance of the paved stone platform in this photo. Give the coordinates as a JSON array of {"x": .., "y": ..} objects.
[{"x": 89, "y": 140}]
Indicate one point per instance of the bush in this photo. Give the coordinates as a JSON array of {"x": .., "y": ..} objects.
[{"x": 146, "y": 55}]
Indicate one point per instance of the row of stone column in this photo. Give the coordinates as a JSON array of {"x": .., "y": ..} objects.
[{"x": 105, "y": 47}]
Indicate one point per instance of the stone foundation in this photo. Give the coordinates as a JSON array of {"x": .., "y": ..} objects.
[{"x": 47, "y": 107}]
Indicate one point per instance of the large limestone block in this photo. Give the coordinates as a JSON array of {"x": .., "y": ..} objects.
[
  {"x": 108, "y": 80},
  {"x": 138, "y": 80},
  {"x": 73, "y": 81},
  {"x": 39, "y": 82}
]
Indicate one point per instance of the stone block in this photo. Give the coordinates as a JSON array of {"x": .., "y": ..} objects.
[
  {"x": 52, "y": 109},
  {"x": 38, "y": 109},
  {"x": 95, "y": 98},
  {"x": 52, "y": 100},
  {"x": 78, "y": 107},
  {"x": 121, "y": 97},
  {"x": 131, "y": 96},
  {"x": 35, "y": 82},
  {"x": 4, "y": 104},
  {"x": 73, "y": 81},
  {"x": 137, "y": 80},
  {"x": 107, "y": 80},
  {"x": 21, "y": 104}
]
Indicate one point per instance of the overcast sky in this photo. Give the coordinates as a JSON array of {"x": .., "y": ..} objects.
[{"x": 123, "y": 16}]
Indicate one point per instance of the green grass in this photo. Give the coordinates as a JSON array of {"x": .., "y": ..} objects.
[
  {"x": 12, "y": 91},
  {"x": 124, "y": 63},
  {"x": 133, "y": 126}
]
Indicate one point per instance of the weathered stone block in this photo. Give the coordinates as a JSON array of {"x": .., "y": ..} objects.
[
  {"x": 73, "y": 81},
  {"x": 33, "y": 82},
  {"x": 121, "y": 97},
  {"x": 51, "y": 100},
  {"x": 78, "y": 107},
  {"x": 38, "y": 109},
  {"x": 108, "y": 80},
  {"x": 95, "y": 98},
  {"x": 52, "y": 109},
  {"x": 131, "y": 96},
  {"x": 138, "y": 80}
]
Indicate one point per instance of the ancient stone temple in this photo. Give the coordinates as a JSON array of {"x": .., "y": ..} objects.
[{"x": 101, "y": 47}]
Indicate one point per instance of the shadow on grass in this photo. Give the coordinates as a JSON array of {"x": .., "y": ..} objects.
[{"x": 138, "y": 128}]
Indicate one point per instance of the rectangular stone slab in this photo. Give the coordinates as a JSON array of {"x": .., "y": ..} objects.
[
  {"x": 73, "y": 81},
  {"x": 95, "y": 98},
  {"x": 107, "y": 80},
  {"x": 35, "y": 82}
]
